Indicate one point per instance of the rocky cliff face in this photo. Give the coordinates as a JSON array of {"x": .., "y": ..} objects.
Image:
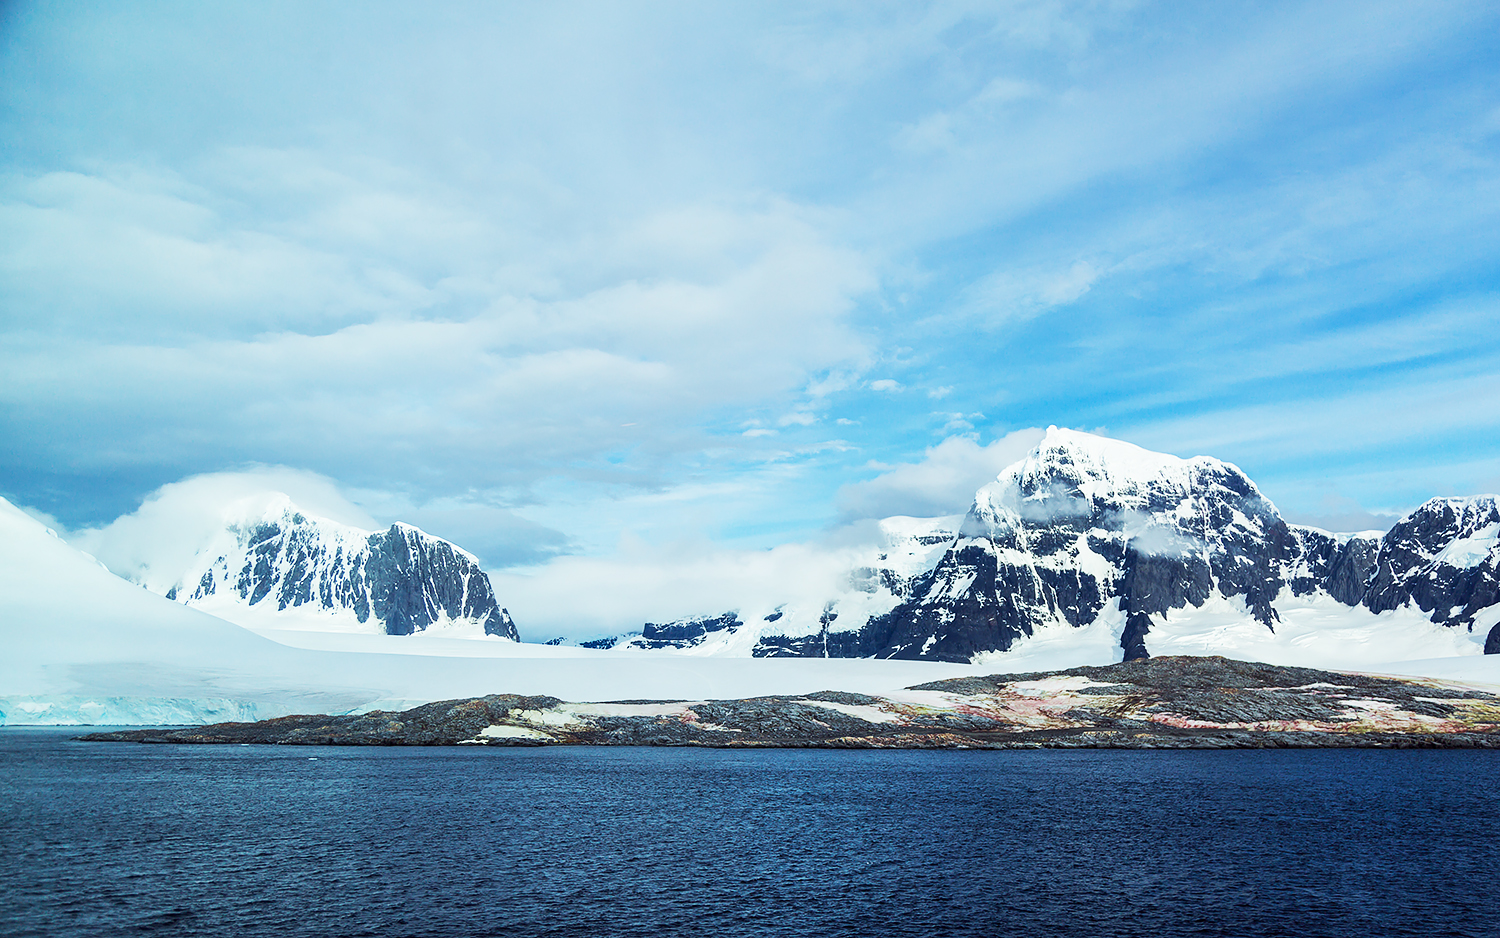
[{"x": 399, "y": 581}]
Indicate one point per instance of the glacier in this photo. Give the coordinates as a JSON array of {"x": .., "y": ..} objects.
[{"x": 1088, "y": 551}]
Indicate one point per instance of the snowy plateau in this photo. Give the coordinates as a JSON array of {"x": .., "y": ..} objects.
[{"x": 1087, "y": 552}]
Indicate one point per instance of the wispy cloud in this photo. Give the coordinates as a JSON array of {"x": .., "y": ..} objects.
[{"x": 943, "y": 482}]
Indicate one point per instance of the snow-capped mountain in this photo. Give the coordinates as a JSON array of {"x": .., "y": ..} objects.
[
  {"x": 1085, "y": 523},
  {"x": 1443, "y": 558},
  {"x": 1090, "y": 545},
  {"x": 273, "y": 566}
]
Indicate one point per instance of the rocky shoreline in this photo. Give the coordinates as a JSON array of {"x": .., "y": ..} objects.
[{"x": 1155, "y": 703}]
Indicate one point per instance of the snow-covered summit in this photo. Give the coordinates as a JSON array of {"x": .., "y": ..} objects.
[
  {"x": 1097, "y": 465},
  {"x": 1085, "y": 530},
  {"x": 81, "y": 645},
  {"x": 1077, "y": 475}
]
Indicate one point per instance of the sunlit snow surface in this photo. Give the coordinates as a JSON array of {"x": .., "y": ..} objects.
[
  {"x": 1473, "y": 550},
  {"x": 905, "y": 548},
  {"x": 81, "y": 645},
  {"x": 314, "y": 578}
]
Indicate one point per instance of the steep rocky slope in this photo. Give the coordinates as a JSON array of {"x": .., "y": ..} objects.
[
  {"x": 1444, "y": 559},
  {"x": 1086, "y": 526}
]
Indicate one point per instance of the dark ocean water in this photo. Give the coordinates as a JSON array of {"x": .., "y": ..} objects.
[{"x": 125, "y": 839}]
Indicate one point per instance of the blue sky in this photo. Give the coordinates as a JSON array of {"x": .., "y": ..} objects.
[{"x": 575, "y": 278}]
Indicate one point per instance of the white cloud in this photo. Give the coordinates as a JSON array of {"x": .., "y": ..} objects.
[
  {"x": 885, "y": 384},
  {"x": 942, "y": 483},
  {"x": 161, "y": 537},
  {"x": 45, "y": 520},
  {"x": 1005, "y": 90},
  {"x": 1342, "y": 514},
  {"x": 363, "y": 324},
  {"x": 958, "y": 422},
  {"x": 1016, "y": 295},
  {"x": 510, "y": 254}
]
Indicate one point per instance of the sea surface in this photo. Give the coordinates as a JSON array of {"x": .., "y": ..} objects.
[{"x": 102, "y": 839}]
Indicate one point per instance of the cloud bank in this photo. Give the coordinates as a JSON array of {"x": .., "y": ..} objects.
[{"x": 542, "y": 277}]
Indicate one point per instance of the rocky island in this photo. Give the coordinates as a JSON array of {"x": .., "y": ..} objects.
[{"x": 1170, "y": 702}]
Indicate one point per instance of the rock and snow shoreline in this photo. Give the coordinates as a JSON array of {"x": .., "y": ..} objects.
[{"x": 1171, "y": 703}]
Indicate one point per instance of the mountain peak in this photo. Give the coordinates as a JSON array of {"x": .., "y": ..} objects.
[
  {"x": 1095, "y": 457},
  {"x": 1073, "y": 474},
  {"x": 261, "y": 561}
]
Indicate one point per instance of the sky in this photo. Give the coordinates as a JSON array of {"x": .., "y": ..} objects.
[{"x": 592, "y": 283}]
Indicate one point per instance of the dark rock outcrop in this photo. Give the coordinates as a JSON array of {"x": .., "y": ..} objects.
[
  {"x": 681, "y": 633},
  {"x": 1088, "y": 530},
  {"x": 1340, "y": 566}
]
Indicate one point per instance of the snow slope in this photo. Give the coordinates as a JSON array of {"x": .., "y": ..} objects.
[
  {"x": 81, "y": 645},
  {"x": 878, "y": 577}
]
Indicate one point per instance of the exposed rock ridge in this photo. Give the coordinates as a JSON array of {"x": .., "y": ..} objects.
[
  {"x": 1444, "y": 558},
  {"x": 827, "y": 625}
]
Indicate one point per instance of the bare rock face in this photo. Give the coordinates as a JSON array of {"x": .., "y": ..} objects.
[
  {"x": 1339, "y": 565},
  {"x": 1087, "y": 530},
  {"x": 415, "y": 580},
  {"x": 683, "y": 633}
]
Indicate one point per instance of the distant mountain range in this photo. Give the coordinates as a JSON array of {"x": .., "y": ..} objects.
[
  {"x": 1089, "y": 537},
  {"x": 1089, "y": 548}
]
